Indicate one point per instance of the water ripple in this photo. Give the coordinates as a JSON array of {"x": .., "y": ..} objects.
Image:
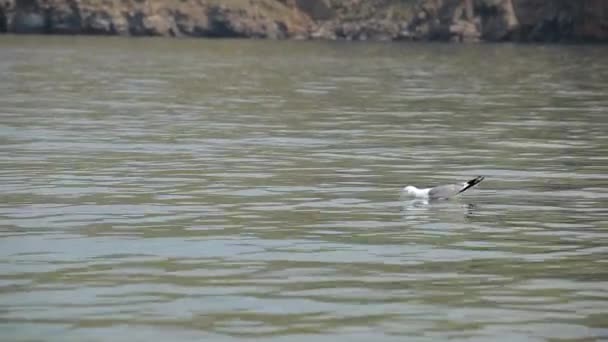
[{"x": 230, "y": 196}]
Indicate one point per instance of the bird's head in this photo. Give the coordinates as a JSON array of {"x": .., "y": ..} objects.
[{"x": 410, "y": 190}]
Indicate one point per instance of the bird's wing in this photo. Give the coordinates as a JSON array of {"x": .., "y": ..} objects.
[
  {"x": 447, "y": 191},
  {"x": 471, "y": 183}
]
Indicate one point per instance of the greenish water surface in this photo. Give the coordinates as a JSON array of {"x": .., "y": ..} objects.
[{"x": 229, "y": 190}]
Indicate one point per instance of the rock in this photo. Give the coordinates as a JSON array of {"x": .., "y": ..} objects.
[
  {"x": 404, "y": 34},
  {"x": 260, "y": 18},
  {"x": 141, "y": 23},
  {"x": 316, "y": 9},
  {"x": 583, "y": 20},
  {"x": 324, "y": 32},
  {"x": 300, "y": 36},
  {"x": 29, "y": 22},
  {"x": 381, "y": 30},
  {"x": 421, "y": 31},
  {"x": 470, "y": 33},
  {"x": 98, "y": 23},
  {"x": 222, "y": 23},
  {"x": 498, "y": 20},
  {"x": 188, "y": 25},
  {"x": 64, "y": 20},
  {"x": 464, "y": 31},
  {"x": 444, "y": 20},
  {"x": 159, "y": 25},
  {"x": 592, "y": 23},
  {"x": 5, "y": 7}
]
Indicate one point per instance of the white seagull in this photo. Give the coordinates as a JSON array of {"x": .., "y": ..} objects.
[{"x": 442, "y": 191}]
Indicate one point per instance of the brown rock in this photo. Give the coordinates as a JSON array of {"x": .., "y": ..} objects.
[
  {"x": 260, "y": 18},
  {"x": 316, "y": 9},
  {"x": 464, "y": 31},
  {"x": 98, "y": 23},
  {"x": 455, "y": 20},
  {"x": 498, "y": 20},
  {"x": 324, "y": 32}
]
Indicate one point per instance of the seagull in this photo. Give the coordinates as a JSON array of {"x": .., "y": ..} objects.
[{"x": 442, "y": 191}]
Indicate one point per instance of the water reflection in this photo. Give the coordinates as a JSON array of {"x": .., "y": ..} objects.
[{"x": 424, "y": 210}]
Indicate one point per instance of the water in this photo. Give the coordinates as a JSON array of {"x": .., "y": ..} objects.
[{"x": 250, "y": 190}]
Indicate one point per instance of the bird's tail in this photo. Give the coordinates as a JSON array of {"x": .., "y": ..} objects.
[{"x": 471, "y": 183}]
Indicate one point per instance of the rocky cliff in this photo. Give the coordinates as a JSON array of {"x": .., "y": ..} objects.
[{"x": 446, "y": 20}]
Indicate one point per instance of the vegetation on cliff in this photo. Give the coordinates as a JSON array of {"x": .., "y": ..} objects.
[{"x": 448, "y": 20}]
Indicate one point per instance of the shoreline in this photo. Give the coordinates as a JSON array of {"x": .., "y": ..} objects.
[
  {"x": 289, "y": 40},
  {"x": 460, "y": 21}
]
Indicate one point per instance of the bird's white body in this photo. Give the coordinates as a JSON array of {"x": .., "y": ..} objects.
[{"x": 418, "y": 193}]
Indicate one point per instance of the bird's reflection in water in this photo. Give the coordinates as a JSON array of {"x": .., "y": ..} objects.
[{"x": 424, "y": 210}]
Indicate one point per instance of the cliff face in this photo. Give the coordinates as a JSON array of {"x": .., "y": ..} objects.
[
  {"x": 448, "y": 20},
  {"x": 562, "y": 20},
  {"x": 236, "y": 18}
]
